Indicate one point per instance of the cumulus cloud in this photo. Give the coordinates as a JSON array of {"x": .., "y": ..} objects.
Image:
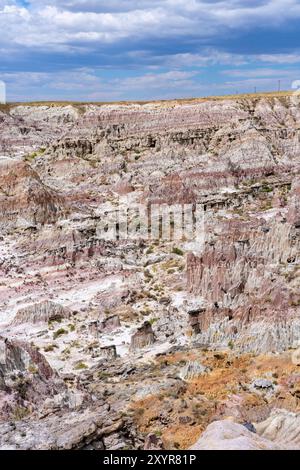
[
  {"x": 280, "y": 58},
  {"x": 99, "y": 6},
  {"x": 165, "y": 44},
  {"x": 260, "y": 72},
  {"x": 64, "y": 22}
]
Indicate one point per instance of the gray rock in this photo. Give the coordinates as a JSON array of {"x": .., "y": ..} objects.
[
  {"x": 262, "y": 384},
  {"x": 193, "y": 369}
]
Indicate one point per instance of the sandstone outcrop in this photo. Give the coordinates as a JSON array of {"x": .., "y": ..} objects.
[
  {"x": 109, "y": 324},
  {"x": 41, "y": 312},
  {"x": 143, "y": 337},
  {"x": 25, "y": 201},
  {"x": 26, "y": 379},
  {"x": 282, "y": 427},
  {"x": 85, "y": 430},
  {"x": 227, "y": 435}
]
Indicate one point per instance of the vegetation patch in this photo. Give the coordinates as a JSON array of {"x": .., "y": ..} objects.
[
  {"x": 59, "y": 333},
  {"x": 177, "y": 251},
  {"x": 37, "y": 153}
]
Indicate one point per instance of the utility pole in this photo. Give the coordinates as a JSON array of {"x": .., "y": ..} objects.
[
  {"x": 255, "y": 89},
  {"x": 279, "y": 85}
]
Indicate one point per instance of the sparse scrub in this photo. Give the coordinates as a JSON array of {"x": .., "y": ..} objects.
[
  {"x": 32, "y": 369},
  {"x": 140, "y": 411},
  {"x": 81, "y": 366},
  {"x": 20, "y": 413},
  {"x": 177, "y": 251},
  {"x": 50, "y": 348},
  {"x": 59, "y": 333},
  {"x": 267, "y": 189},
  {"x": 35, "y": 154}
]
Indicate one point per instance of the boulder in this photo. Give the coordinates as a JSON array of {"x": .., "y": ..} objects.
[
  {"x": 153, "y": 442},
  {"x": 262, "y": 384},
  {"x": 227, "y": 435},
  {"x": 109, "y": 352},
  {"x": 282, "y": 427}
]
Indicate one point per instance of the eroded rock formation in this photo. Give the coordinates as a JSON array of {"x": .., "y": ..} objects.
[
  {"x": 150, "y": 327},
  {"x": 41, "y": 312}
]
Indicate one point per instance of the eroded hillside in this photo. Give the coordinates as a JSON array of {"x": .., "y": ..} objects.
[{"x": 142, "y": 343}]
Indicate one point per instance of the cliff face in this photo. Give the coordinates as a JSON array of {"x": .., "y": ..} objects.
[
  {"x": 248, "y": 275},
  {"x": 237, "y": 159}
]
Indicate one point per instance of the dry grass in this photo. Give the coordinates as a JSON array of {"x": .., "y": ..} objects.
[
  {"x": 167, "y": 103},
  {"x": 204, "y": 396}
]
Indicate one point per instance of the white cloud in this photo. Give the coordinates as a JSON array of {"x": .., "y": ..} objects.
[
  {"x": 280, "y": 59},
  {"x": 52, "y": 23},
  {"x": 147, "y": 34},
  {"x": 171, "y": 79},
  {"x": 260, "y": 72},
  {"x": 86, "y": 84},
  {"x": 208, "y": 57}
]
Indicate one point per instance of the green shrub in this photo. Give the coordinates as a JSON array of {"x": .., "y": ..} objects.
[
  {"x": 80, "y": 366},
  {"x": 267, "y": 189},
  {"x": 59, "y": 332},
  {"x": 177, "y": 251},
  {"x": 34, "y": 155}
]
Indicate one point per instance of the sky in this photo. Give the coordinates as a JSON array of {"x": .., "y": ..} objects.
[{"x": 94, "y": 50}]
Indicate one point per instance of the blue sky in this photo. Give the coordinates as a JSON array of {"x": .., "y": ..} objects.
[{"x": 147, "y": 49}]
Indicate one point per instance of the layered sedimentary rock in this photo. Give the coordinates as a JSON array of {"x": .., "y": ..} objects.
[
  {"x": 25, "y": 202},
  {"x": 279, "y": 432},
  {"x": 26, "y": 379},
  {"x": 41, "y": 312},
  {"x": 101, "y": 309},
  {"x": 243, "y": 277},
  {"x": 282, "y": 427},
  {"x": 78, "y": 430},
  {"x": 226, "y": 435}
]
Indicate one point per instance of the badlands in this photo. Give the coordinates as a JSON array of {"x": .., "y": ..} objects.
[{"x": 149, "y": 343}]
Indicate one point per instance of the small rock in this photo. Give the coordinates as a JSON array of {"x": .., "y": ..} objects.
[
  {"x": 153, "y": 442},
  {"x": 262, "y": 384},
  {"x": 249, "y": 426}
]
